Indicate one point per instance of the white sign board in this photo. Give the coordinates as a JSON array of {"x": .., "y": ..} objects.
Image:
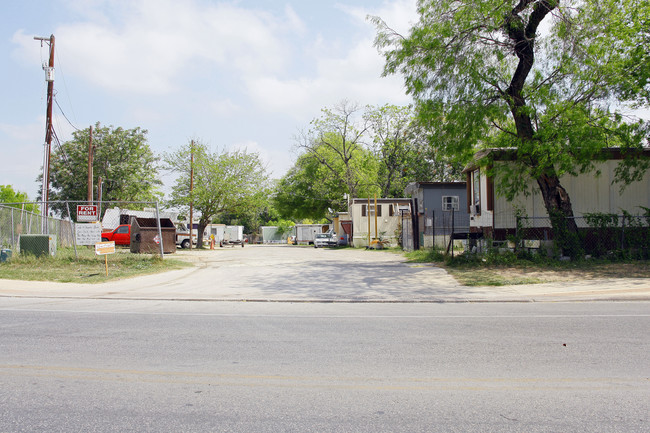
[
  {"x": 88, "y": 233},
  {"x": 103, "y": 248},
  {"x": 86, "y": 213}
]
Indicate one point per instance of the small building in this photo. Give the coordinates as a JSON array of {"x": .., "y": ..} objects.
[
  {"x": 383, "y": 222},
  {"x": 441, "y": 209},
  {"x": 342, "y": 226}
]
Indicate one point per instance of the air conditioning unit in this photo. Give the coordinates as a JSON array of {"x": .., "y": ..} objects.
[{"x": 38, "y": 245}]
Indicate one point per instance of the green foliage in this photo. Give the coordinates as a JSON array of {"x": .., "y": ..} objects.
[
  {"x": 8, "y": 195},
  {"x": 567, "y": 242},
  {"x": 122, "y": 158},
  {"x": 484, "y": 74},
  {"x": 425, "y": 256},
  {"x": 307, "y": 191},
  {"x": 231, "y": 184},
  {"x": 284, "y": 226}
]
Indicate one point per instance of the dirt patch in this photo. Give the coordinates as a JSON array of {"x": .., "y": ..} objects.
[{"x": 504, "y": 276}]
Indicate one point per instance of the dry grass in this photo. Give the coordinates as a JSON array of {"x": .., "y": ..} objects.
[{"x": 511, "y": 275}]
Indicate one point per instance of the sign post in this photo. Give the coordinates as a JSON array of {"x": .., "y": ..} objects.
[{"x": 104, "y": 249}]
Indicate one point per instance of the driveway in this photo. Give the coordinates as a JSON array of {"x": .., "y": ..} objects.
[{"x": 301, "y": 274}]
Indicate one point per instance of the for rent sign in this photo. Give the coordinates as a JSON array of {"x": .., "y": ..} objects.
[{"x": 86, "y": 213}]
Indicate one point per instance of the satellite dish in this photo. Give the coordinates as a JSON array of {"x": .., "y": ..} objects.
[{"x": 329, "y": 209}]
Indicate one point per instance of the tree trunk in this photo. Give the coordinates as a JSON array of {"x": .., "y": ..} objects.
[
  {"x": 556, "y": 199},
  {"x": 199, "y": 236},
  {"x": 560, "y": 212},
  {"x": 522, "y": 33}
]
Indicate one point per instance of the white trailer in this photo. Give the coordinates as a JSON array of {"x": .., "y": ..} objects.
[
  {"x": 305, "y": 233},
  {"x": 233, "y": 235}
]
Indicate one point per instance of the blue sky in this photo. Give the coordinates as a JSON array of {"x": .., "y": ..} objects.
[{"x": 232, "y": 73}]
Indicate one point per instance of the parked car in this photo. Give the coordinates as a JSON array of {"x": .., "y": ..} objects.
[
  {"x": 328, "y": 239},
  {"x": 121, "y": 235}
]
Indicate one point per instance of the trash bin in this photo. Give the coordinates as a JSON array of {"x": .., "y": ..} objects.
[
  {"x": 145, "y": 238},
  {"x": 5, "y": 255}
]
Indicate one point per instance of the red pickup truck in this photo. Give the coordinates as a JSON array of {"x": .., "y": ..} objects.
[{"x": 121, "y": 235}]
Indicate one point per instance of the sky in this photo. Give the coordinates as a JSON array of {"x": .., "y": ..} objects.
[{"x": 234, "y": 74}]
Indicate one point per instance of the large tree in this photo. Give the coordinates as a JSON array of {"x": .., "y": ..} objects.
[
  {"x": 335, "y": 140},
  {"x": 400, "y": 146},
  {"x": 122, "y": 159},
  {"x": 224, "y": 182},
  {"x": 543, "y": 76},
  {"x": 308, "y": 190}
]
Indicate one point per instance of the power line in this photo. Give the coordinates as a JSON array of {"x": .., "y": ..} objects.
[{"x": 66, "y": 117}]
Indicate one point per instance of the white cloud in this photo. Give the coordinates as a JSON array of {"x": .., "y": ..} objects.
[
  {"x": 351, "y": 71},
  {"x": 147, "y": 46}
]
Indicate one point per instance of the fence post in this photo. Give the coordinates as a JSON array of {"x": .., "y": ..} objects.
[
  {"x": 13, "y": 230},
  {"x": 623, "y": 232},
  {"x": 162, "y": 250},
  {"x": 453, "y": 230},
  {"x": 433, "y": 229},
  {"x": 74, "y": 231}
]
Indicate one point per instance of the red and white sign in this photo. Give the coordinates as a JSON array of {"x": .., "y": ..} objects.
[{"x": 86, "y": 213}]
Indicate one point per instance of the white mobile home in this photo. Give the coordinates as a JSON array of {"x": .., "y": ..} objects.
[
  {"x": 592, "y": 192},
  {"x": 382, "y": 221}
]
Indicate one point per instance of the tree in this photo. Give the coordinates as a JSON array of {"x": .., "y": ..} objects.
[
  {"x": 308, "y": 190},
  {"x": 335, "y": 141},
  {"x": 399, "y": 145},
  {"x": 234, "y": 182},
  {"x": 122, "y": 158},
  {"x": 8, "y": 196},
  {"x": 490, "y": 74}
]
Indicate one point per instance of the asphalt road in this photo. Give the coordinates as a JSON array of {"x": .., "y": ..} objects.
[{"x": 111, "y": 365}]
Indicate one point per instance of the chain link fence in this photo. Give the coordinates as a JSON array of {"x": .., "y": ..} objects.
[
  {"x": 38, "y": 228},
  {"x": 598, "y": 234},
  {"x": 440, "y": 226}
]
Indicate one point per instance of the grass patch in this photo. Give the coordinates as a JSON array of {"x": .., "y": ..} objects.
[
  {"x": 504, "y": 269},
  {"x": 87, "y": 268}
]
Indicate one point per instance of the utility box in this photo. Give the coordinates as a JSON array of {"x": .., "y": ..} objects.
[
  {"x": 145, "y": 238},
  {"x": 38, "y": 245}
]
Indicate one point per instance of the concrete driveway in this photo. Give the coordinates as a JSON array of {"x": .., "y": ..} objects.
[{"x": 302, "y": 274}]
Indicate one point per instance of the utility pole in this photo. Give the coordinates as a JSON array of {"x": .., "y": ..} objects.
[
  {"x": 191, "y": 188},
  {"x": 90, "y": 167},
  {"x": 99, "y": 194},
  {"x": 49, "y": 77}
]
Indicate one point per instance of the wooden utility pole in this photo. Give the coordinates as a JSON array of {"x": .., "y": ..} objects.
[
  {"x": 49, "y": 77},
  {"x": 90, "y": 166},
  {"x": 191, "y": 188}
]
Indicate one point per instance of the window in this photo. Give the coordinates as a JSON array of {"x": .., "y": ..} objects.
[
  {"x": 122, "y": 230},
  {"x": 371, "y": 210},
  {"x": 450, "y": 202},
  {"x": 476, "y": 192}
]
